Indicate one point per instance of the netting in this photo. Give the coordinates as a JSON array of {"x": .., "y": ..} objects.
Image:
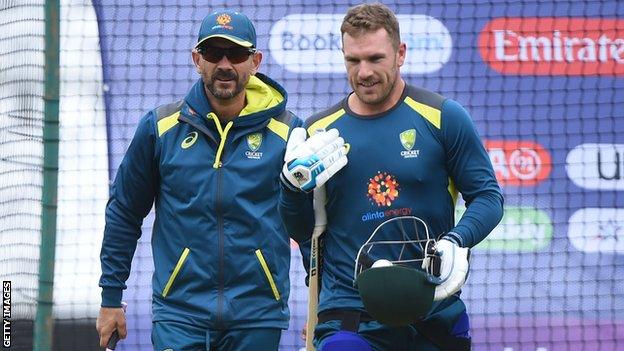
[
  {"x": 21, "y": 149},
  {"x": 541, "y": 79},
  {"x": 83, "y": 166}
]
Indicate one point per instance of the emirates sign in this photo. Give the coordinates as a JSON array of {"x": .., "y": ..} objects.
[{"x": 554, "y": 46}]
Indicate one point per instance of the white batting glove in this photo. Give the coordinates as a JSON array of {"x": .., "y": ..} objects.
[
  {"x": 453, "y": 268},
  {"x": 310, "y": 163}
]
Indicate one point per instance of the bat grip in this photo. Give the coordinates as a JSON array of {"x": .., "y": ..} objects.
[
  {"x": 320, "y": 215},
  {"x": 112, "y": 341}
]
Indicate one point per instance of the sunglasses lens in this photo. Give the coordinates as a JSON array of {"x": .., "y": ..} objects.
[
  {"x": 234, "y": 55},
  {"x": 238, "y": 55},
  {"x": 211, "y": 55}
]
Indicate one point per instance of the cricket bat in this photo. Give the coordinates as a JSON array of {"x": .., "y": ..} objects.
[{"x": 320, "y": 222}]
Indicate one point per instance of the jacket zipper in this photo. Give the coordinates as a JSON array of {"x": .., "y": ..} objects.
[
  {"x": 217, "y": 165},
  {"x": 221, "y": 239}
]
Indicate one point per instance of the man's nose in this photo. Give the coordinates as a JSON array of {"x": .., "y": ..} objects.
[{"x": 364, "y": 71}]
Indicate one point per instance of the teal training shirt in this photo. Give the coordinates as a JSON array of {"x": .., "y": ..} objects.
[{"x": 410, "y": 160}]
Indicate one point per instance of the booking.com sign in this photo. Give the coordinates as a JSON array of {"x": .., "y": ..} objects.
[{"x": 311, "y": 43}]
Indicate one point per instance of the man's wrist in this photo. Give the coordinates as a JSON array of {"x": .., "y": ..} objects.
[
  {"x": 288, "y": 186},
  {"x": 454, "y": 237},
  {"x": 111, "y": 297}
]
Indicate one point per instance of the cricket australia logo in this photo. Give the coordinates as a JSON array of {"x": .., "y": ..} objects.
[
  {"x": 408, "y": 140},
  {"x": 254, "y": 141},
  {"x": 224, "y": 20}
]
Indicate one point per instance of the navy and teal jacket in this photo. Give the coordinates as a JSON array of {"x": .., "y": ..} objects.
[
  {"x": 410, "y": 160},
  {"x": 221, "y": 253}
]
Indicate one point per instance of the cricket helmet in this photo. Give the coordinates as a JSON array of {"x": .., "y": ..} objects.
[{"x": 401, "y": 291}]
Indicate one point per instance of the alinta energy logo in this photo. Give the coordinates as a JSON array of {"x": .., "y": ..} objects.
[
  {"x": 383, "y": 188},
  {"x": 311, "y": 43},
  {"x": 566, "y": 46},
  {"x": 381, "y": 191},
  {"x": 519, "y": 163}
]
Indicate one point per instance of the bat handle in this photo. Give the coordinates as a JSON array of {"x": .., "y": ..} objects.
[
  {"x": 112, "y": 341},
  {"x": 114, "y": 338}
]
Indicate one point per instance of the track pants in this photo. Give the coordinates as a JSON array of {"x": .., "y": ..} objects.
[{"x": 176, "y": 336}]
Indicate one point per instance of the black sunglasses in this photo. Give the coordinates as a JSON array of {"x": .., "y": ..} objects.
[{"x": 235, "y": 55}]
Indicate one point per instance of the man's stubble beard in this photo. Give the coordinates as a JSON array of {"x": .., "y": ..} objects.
[
  {"x": 384, "y": 94},
  {"x": 225, "y": 94}
]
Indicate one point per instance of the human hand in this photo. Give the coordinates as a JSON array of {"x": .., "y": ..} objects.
[
  {"x": 109, "y": 320},
  {"x": 304, "y": 332},
  {"x": 453, "y": 268},
  {"x": 312, "y": 162}
]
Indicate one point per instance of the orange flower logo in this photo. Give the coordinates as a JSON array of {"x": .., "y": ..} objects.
[
  {"x": 383, "y": 188},
  {"x": 224, "y": 19}
]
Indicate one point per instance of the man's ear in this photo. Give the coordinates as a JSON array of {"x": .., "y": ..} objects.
[
  {"x": 401, "y": 54},
  {"x": 256, "y": 59},
  {"x": 196, "y": 60}
]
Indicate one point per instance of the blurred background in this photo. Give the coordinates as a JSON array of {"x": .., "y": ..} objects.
[{"x": 543, "y": 81}]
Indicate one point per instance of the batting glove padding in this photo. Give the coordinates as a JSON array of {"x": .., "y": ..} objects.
[
  {"x": 453, "y": 268},
  {"x": 310, "y": 163}
]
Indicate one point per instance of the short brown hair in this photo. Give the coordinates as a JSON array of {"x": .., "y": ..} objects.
[{"x": 365, "y": 18}]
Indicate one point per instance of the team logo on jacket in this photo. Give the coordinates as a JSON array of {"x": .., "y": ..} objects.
[
  {"x": 190, "y": 139},
  {"x": 254, "y": 141},
  {"x": 408, "y": 140}
]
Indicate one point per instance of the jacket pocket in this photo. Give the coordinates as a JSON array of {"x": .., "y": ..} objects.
[
  {"x": 175, "y": 272},
  {"x": 267, "y": 273}
]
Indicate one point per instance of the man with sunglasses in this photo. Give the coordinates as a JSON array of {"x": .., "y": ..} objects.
[{"x": 210, "y": 164}]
